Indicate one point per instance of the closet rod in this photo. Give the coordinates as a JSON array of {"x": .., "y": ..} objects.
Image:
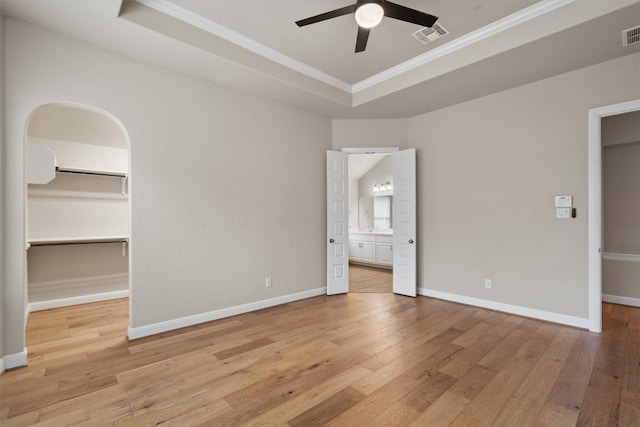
[
  {"x": 77, "y": 242},
  {"x": 89, "y": 172},
  {"x": 87, "y": 241}
]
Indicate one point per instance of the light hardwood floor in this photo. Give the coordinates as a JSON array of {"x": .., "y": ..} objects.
[
  {"x": 370, "y": 279},
  {"x": 352, "y": 360}
]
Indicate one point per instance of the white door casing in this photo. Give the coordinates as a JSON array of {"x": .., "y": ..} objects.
[
  {"x": 337, "y": 223},
  {"x": 595, "y": 205},
  {"x": 404, "y": 222}
]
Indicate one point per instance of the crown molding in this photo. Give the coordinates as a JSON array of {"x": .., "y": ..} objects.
[
  {"x": 191, "y": 18},
  {"x": 462, "y": 42},
  {"x": 170, "y": 9}
]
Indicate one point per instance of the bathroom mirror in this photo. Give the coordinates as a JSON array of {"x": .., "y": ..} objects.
[{"x": 375, "y": 213}]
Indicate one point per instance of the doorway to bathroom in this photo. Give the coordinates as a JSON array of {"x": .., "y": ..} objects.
[{"x": 371, "y": 221}]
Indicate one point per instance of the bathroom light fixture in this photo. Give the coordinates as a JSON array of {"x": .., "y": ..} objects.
[
  {"x": 369, "y": 15},
  {"x": 375, "y": 188},
  {"x": 387, "y": 186}
]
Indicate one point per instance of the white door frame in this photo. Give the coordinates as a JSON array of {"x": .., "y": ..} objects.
[
  {"x": 595, "y": 205},
  {"x": 370, "y": 150}
]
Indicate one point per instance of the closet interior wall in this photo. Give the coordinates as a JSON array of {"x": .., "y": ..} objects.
[
  {"x": 78, "y": 225},
  {"x": 621, "y": 206}
]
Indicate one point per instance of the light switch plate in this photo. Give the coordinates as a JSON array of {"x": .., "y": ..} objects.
[{"x": 563, "y": 213}]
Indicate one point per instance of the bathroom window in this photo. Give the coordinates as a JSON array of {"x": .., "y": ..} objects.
[{"x": 382, "y": 212}]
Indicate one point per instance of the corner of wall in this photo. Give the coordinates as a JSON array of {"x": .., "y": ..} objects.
[
  {"x": 2, "y": 203},
  {"x": 12, "y": 361}
]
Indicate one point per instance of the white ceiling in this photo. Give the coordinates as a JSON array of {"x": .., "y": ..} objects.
[
  {"x": 329, "y": 46},
  {"x": 359, "y": 164},
  {"x": 254, "y": 46}
]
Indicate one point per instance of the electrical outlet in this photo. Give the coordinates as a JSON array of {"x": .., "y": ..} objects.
[
  {"x": 487, "y": 283},
  {"x": 267, "y": 282}
]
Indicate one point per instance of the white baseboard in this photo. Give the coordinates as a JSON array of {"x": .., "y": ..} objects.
[
  {"x": 83, "y": 299},
  {"x": 615, "y": 299},
  {"x": 612, "y": 256},
  {"x": 182, "y": 322},
  {"x": 548, "y": 316},
  {"x": 11, "y": 361}
]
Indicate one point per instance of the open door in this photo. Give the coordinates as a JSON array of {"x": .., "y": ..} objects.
[
  {"x": 404, "y": 223},
  {"x": 337, "y": 223}
]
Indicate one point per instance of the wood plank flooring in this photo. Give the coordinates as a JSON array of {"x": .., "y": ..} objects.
[
  {"x": 363, "y": 278},
  {"x": 374, "y": 359}
]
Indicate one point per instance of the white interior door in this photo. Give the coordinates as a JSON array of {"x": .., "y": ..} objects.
[
  {"x": 337, "y": 223},
  {"x": 404, "y": 222}
]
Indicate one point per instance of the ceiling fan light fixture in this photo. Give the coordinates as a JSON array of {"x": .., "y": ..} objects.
[{"x": 369, "y": 15}]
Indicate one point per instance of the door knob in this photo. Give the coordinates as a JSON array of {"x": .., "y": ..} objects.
[
  {"x": 411, "y": 241},
  {"x": 331, "y": 241}
]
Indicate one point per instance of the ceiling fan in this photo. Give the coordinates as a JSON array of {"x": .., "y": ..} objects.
[{"x": 369, "y": 13}]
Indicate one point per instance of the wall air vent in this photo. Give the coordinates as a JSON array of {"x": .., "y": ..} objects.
[
  {"x": 631, "y": 36},
  {"x": 427, "y": 35}
]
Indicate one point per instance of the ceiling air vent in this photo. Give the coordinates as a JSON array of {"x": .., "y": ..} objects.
[
  {"x": 631, "y": 36},
  {"x": 427, "y": 35}
]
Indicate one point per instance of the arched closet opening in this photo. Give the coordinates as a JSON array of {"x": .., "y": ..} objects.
[{"x": 78, "y": 214}]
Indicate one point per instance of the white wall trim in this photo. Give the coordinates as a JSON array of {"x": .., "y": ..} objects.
[
  {"x": 548, "y": 316},
  {"x": 371, "y": 150},
  {"x": 492, "y": 29},
  {"x": 182, "y": 322},
  {"x": 595, "y": 205},
  {"x": 83, "y": 299},
  {"x": 191, "y": 18},
  {"x": 612, "y": 256},
  {"x": 169, "y": 8},
  {"x": 616, "y": 299},
  {"x": 69, "y": 194},
  {"x": 11, "y": 361}
]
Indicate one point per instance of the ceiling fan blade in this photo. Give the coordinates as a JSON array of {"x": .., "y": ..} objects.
[
  {"x": 327, "y": 15},
  {"x": 406, "y": 14},
  {"x": 361, "y": 41}
]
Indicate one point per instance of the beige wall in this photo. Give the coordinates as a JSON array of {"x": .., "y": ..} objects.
[
  {"x": 621, "y": 198},
  {"x": 620, "y": 129},
  {"x": 488, "y": 171},
  {"x": 66, "y": 271},
  {"x": 621, "y": 279},
  {"x": 2, "y": 212},
  {"x": 369, "y": 133},
  {"x": 224, "y": 190}
]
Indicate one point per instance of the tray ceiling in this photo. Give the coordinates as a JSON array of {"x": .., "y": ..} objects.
[{"x": 255, "y": 46}]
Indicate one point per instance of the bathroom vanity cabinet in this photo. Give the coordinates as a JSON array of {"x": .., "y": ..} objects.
[{"x": 375, "y": 248}]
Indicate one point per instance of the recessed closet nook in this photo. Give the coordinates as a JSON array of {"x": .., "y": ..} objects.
[{"x": 77, "y": 208}]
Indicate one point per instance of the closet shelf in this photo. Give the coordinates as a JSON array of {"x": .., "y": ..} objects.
[
  {"x": 121, "y": 175},
  {"x": 90, "y": 172},
  {"x": 77, "y": 240},
  {"x": 58, "y": 241}
]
